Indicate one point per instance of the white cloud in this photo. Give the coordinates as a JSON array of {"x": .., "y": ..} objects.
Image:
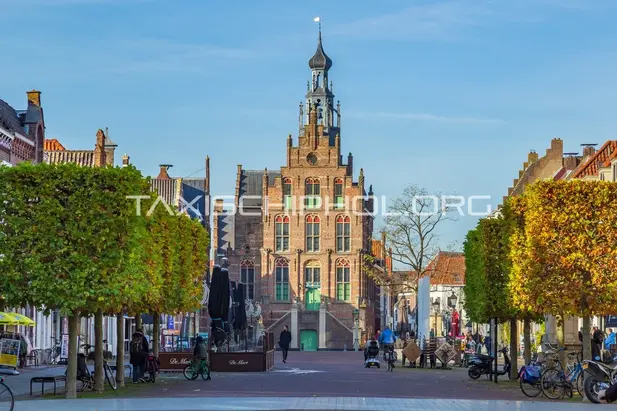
[{"x": 423, "y": 117}]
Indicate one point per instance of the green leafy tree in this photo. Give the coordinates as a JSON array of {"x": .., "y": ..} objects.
[
  {"x": 488, "y": 289},
  {"x": 67, "y": 238}
]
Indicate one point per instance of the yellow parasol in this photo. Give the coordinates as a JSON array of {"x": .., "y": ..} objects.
[
  {"x": 23, "y": 320},
  {"x": 8, "y": 319}
]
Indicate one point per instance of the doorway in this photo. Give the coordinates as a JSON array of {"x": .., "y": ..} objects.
[{"x": 308, "y": 340}]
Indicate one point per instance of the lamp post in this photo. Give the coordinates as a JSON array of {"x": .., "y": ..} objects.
[
  {"x": 356, "y": 323},
  {"x": 436, "y": 305},
  {"x": 452, "y": 300}
]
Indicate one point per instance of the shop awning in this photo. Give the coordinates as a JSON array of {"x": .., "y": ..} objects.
[
  {"x": 23, "y": 320},
  {"x": 7, "y": 319}
]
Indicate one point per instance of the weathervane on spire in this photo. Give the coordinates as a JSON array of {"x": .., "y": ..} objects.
[{"x": 318, "y": 20}]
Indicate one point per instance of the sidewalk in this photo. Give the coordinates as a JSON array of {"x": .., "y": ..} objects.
[
  {"x": 295, "y": 403},
  {"x": 20, "y": 384}
]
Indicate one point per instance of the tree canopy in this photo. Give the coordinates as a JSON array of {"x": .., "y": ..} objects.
[{"x": 565, "y": 253}]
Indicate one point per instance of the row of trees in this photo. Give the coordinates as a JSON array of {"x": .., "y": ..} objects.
[
  {"x": 550, "y": 251},
  {"x": 72, "y": 241}
]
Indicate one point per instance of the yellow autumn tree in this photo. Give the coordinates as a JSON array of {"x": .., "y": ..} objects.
[{"x": 564, "y": 250}]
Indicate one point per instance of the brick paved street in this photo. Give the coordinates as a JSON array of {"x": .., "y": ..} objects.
[
  {"x": 332, "y": 373},
  {"x": 316, "y": 381}
]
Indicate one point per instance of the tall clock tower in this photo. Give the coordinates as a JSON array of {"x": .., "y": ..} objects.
[{"x": 317, "y": 228}]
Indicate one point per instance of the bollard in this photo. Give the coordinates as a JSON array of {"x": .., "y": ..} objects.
[
  {"x": 345, "y": 347},
  {"x": 302, "y": 347}
]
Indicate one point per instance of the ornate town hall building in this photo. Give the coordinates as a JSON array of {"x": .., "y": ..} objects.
[{"x": 301, "y": 250}]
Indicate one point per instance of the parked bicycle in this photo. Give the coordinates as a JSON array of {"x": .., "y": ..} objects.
[
  {"x": 52, "y": 355},
  {"x": 7, "y": 399},
  {"x": 193, "y": 370},
  {"x": 85, "y": 379},
  {"x": 556, "y": 383}
]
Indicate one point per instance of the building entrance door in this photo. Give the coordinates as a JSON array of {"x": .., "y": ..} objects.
[
  {"x": 313, "y": 299},
  {"x": 308, "y": 340}
]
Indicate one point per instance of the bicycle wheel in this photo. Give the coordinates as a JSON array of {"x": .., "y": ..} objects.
[
  {"x": 580, "y": 384},
  {"x": 189, "y": 372},
  {"x": 530, "y": 390},
  {"x": 7, "y": 400},
  {"x": 205, "y": 373},
  {"x": 110, "y": 377},
  {"x": 553, "y": 383}
]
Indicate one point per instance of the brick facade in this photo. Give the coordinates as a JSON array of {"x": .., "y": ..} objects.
[{"x": 288, "y": 229}]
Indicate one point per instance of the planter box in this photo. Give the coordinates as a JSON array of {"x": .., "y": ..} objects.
[
  {"x": 242, "y": 361},
  {"x": 175, "y": 361}
]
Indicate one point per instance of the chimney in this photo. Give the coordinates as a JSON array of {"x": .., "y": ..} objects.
[
  {"x": 125, "y": 160},
  {"x": 532, "y": 157},
  {"x": 570, "y": 161},
  {"x": 34, "y": 98},
  {"x": 163, "y": 172},
  {"x": 588, "y": 150},
  {"x": 556, "y": 148},
  {"x": 99, "y": 150}
]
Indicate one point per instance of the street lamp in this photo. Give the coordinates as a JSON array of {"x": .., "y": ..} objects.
[
  {"x": 452, "y": 300},
  {"x": 436, "y": 305},
  {"x": 356, "y": 323}
]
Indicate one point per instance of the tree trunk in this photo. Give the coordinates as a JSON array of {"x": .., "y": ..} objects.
[
  {"x": 561, "y": 338},
  {"x": 120, "y": 350},
  {"x": 156, "y": 333},
  {"x": 527, "y": 340},
  {"x": 71, "y": 368},
  {"x": 138, "y": 324},
  {"x": 514, "y": 349},
  {"x": 587, "y": 338},
  {"x": 98, "y": 351}
]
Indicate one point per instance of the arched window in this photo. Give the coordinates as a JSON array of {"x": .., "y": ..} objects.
[
  {"x": 281, "y": 274},
  {"x": 287, "y": 190},
  {"x": 339, "y": 201},
  {"x": 281, "y": 233},
  {"x": 343, "y": 234},
  {"x": 312, "y": 233},
  {"x": 343, "y": 280},
  {"x": 312, "y": 273},
  {"x": 312, "y": 193},
  {"x": 247, "y": 277}
]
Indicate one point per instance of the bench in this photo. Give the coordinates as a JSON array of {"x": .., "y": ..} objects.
[
  {"x": 43, "y": 380},
  {"x": 126, "y": 367}
]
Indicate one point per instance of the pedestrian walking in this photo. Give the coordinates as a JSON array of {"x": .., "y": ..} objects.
[
  {"x": 284, "y": 341},
  {"x": 138, "y": 354}
]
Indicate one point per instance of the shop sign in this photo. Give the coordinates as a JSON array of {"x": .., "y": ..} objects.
[{"x": 9, "y": 353}]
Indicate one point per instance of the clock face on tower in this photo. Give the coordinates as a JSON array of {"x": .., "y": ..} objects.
[{"x": 311, "y": 159}]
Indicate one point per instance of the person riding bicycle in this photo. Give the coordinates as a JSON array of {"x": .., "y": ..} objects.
[
  {"x": 200, "y": 353},
  {"x": 387, "y": 340}
]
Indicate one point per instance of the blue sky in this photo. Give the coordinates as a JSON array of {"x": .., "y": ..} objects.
[{"x": 449, "y": 95}]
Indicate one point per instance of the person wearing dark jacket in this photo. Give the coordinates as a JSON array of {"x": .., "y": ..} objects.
[
  {"x": 597, "y": 338},
  {"x": 284, "y": 341},
  {"x": 138, "y": 354}
]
